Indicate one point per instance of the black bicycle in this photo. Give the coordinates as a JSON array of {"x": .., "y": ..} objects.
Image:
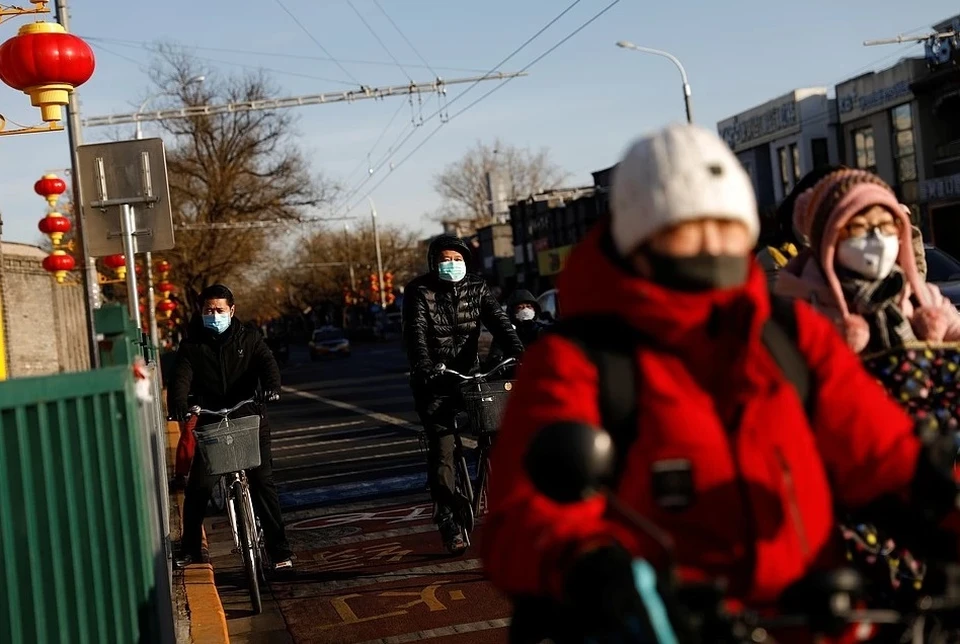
[{"x": 483, "y": 401}]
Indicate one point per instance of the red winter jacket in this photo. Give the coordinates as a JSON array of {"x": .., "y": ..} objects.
[{"x": 712, "y": 394}]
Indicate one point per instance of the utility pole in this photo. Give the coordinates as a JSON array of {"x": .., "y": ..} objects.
[
  {"x": 939, "y": 46},
  {"x": 91, "y": 281},
  {"x": 346, "y": 245},
  {"x": 687, "y": 94},
  {"x": 376, "y": 241}
]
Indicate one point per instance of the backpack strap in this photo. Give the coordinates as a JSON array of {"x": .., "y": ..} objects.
[
  {"x": 779, "y": 336},
  {"x": 610, "y": 344}
]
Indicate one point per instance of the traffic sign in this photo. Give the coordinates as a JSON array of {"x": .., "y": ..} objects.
[{"x": 125, "y": 174}]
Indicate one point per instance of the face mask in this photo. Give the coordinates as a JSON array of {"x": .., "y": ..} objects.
[
  {"x": 451, "y": 271},
  {"x": 699, "y": 272},
  {"x": 525, "y": 315},
  {"x": 872, "y": 256},
  {"x": 218, "y": 322}
]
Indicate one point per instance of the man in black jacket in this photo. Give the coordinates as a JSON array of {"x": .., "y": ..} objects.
[
  {"x": 442, "y": 313},
  {"x": 524, "y": 313},
  {"x": 222, "y": 362}
]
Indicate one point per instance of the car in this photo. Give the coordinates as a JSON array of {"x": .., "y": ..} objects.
[
  {"x": 943, "y": 270},
  {"x": 329, "y": 342}
]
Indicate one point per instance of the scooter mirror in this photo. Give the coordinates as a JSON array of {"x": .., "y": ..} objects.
[{"x": 569, "y": 461}]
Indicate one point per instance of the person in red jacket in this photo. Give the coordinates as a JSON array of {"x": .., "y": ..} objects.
[{"x": 674, "y": 263}]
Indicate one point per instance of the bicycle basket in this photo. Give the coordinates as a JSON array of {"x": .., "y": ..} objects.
[
  {"x": 485, "y": 407},
  {"x": 230, "y": 446},
  {"x": 925, "y": 379}
]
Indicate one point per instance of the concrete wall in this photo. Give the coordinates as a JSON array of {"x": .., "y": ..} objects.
[{"x": 45, "y": 322}]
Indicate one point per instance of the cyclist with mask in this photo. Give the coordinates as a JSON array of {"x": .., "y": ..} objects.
[
  {"x": 524, "y": 313},
  {"x": 747, "y": 418},
  {"x": 442, "y": 313},
  {"x": 220, "y": 363}
]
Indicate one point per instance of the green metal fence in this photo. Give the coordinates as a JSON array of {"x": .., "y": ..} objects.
[{"x": 83, "y": 555}]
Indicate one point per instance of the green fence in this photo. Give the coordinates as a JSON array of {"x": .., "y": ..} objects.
[{"x": 84, "y": 557}]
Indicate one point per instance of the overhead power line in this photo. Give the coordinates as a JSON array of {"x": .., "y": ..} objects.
[
  {"x": 364, "y": 93},
  {"x": 404, "y": 36},
  {"x": 379, "y": 40},
  {"x": 317, "y": 42}
]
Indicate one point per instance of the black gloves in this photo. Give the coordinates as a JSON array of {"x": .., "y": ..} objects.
[
  {"x": 602, "y": 593},
  {"x": 179, "y": 412}
]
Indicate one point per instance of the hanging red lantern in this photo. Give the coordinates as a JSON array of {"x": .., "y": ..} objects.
[
  {"x": 137, "y": 268},
  {"x": 117, "y": 263},
  {"x": 166, "y": 287},
  {"x": 56, "y": 226},
  {"x": 166, "y": 306},
  {"x": 59, "y": 263},
  {"x": 163, "y": 267},
  {"x": 46, "y": 63},
  {"x": 50, "y": 187}
]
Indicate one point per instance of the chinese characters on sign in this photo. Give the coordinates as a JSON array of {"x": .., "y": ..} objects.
[
  {"x": 940, "y": 189},
  {"x": 875, "y": 100},
  {"x": 756, "y": 126}
]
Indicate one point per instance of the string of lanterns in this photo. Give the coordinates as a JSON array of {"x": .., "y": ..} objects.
[
  {"x": 55, "y": 226},
  {"x": 44, "y": 62}
]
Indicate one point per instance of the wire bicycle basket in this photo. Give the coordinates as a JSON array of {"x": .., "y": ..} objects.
[
  {"x": 485, "y": 403},
  {"x": 230, "y": 445}
]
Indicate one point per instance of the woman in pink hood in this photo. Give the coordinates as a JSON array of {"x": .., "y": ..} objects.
[{"x": 860, "y": 268}]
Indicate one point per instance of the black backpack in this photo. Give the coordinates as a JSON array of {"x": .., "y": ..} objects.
[{"x": 611, "y": 345}]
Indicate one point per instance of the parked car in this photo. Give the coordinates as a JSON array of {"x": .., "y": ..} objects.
[
  {"x": 329, "y": 342},
  {"x": 943, "y": 270}
]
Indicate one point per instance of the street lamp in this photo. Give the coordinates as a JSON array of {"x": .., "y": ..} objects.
[
  {"x": 139, "y": 135},
  {"x": 148, "y": 257},
  {"x": 683, "y": 73}
]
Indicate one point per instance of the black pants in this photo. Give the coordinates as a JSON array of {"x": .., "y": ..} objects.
[
  {"x": 437, "y": 414},
  {"x": 263, "y": 490}
]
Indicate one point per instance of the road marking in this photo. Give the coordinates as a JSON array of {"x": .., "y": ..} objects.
[
  {"x": 322, "y": 477},
  {"x": 324, "y": 452},
  {"x": 339, "y": 404},
  {"x": 467, "y": 565},
  {"x": 356, "y": 459},
  {"x": 443, "y": 631},
  {"x": 297, "y": 430}
]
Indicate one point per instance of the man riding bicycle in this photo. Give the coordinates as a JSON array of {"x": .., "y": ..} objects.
[
  {"x": 221, "y": 363},
  {"x": 746, "y": 418},
  {"x": 442, "y": 313}
]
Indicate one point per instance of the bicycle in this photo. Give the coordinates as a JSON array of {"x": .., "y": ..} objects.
[
  {"x": 229, "y": 447},
  {"x": 484, "y": 403}
]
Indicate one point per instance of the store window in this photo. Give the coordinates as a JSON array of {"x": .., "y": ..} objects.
[
  {"x": 904, "y": 149},
  {"x": 785, "y": 170},
  {"x": 795, "y": 157},
  {"x": 819, "y": 152},
  {"x": 864, "y": 149}
]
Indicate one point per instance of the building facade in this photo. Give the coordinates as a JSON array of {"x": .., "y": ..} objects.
[{"x": 782, "y": 140}]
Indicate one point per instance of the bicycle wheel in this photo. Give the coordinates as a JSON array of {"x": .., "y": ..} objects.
[
  {"x": 248, "y": 544},
  {"x": 464, "y": 499}
]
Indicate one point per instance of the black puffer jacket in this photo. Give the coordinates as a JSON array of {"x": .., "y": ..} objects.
[{"x": 221, "y": 370}]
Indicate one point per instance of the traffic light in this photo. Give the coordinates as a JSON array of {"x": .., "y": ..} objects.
[{"x": 374, "y": 283}]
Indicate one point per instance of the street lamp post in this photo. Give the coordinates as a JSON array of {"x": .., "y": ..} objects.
[
  {"x": 376, "y": 241},
  {"x": 676, "y": 61},
  {"x": 148, "y": 256}
]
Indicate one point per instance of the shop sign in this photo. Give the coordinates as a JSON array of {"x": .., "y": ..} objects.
[
  {"x": 940, "y": 189},
  {"x": 552, "y": 261},
  {"x": 875, "y": 100},
  {"x": 770, "y": 121}
]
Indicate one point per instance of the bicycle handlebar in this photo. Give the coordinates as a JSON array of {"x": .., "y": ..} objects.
[
  {"x": 480, "y": 376},
  {"x": 221, "y": 412}
]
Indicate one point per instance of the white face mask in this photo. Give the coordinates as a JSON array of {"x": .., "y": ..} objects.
[
  {"x": 872, "y": 256},
  {"x": 525, "y": 315}
]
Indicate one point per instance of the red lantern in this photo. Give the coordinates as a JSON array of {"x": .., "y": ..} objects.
[
  {"x": 166, "y": 287},
  {"x": 50, "y": 187},
  {"x": 167, "y": 306},
  {"x": 55, "y": 225},
  {"x": 46, "y": 63},
  {"x": 163, "y": 266},
  {"x": 117, "y": 263},
  {"x": 137, "y": 268},
  {"x": 59, "y": 263}
]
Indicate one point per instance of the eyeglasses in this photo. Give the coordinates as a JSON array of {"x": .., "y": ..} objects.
[{"x": 862, "y": 228}]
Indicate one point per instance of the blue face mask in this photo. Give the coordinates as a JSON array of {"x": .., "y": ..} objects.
[
  {"x": 217, "y": 322},
  {"x": 451, "y": 271}
]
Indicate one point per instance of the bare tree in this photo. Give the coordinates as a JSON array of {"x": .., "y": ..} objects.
[
  {"x": 230, "y": 168},
  {"x": 520, "y": 172}
]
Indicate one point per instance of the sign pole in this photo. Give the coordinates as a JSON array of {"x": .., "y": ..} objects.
[{"x": 127, "y": 227}]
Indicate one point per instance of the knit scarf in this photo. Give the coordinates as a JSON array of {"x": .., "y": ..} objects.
[{"x": 878, "y": 302}]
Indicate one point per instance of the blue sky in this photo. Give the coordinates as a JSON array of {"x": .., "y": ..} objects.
[{"x": 585, "y": 101}]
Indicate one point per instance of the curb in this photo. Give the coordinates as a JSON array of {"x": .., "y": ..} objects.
[{"x": 207, "y": 619}]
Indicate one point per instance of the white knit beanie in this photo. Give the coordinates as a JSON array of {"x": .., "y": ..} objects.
[{"x": 680, "y": 173}]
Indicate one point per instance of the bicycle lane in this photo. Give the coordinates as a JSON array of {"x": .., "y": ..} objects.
[{"x": 372, "y": 573}]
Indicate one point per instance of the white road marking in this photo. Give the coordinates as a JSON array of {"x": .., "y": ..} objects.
[
  {"x": 342, "y": 460},
  {"x": 301, "y": 430},
  {"x": 339, "y": 404},
  {"x": 321, "y": 477},
  {"x": 324, "y": 452}
]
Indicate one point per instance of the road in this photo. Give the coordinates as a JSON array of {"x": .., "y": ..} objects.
[{"x": 352, "y": 483}]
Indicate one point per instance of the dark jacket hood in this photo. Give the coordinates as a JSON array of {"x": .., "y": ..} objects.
[
  {"x": 521, "y": 296},
  {"x": 447, "y": 242}
]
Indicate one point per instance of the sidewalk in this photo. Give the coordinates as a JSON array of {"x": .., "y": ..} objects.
[{"x": 199, "y": 614}]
